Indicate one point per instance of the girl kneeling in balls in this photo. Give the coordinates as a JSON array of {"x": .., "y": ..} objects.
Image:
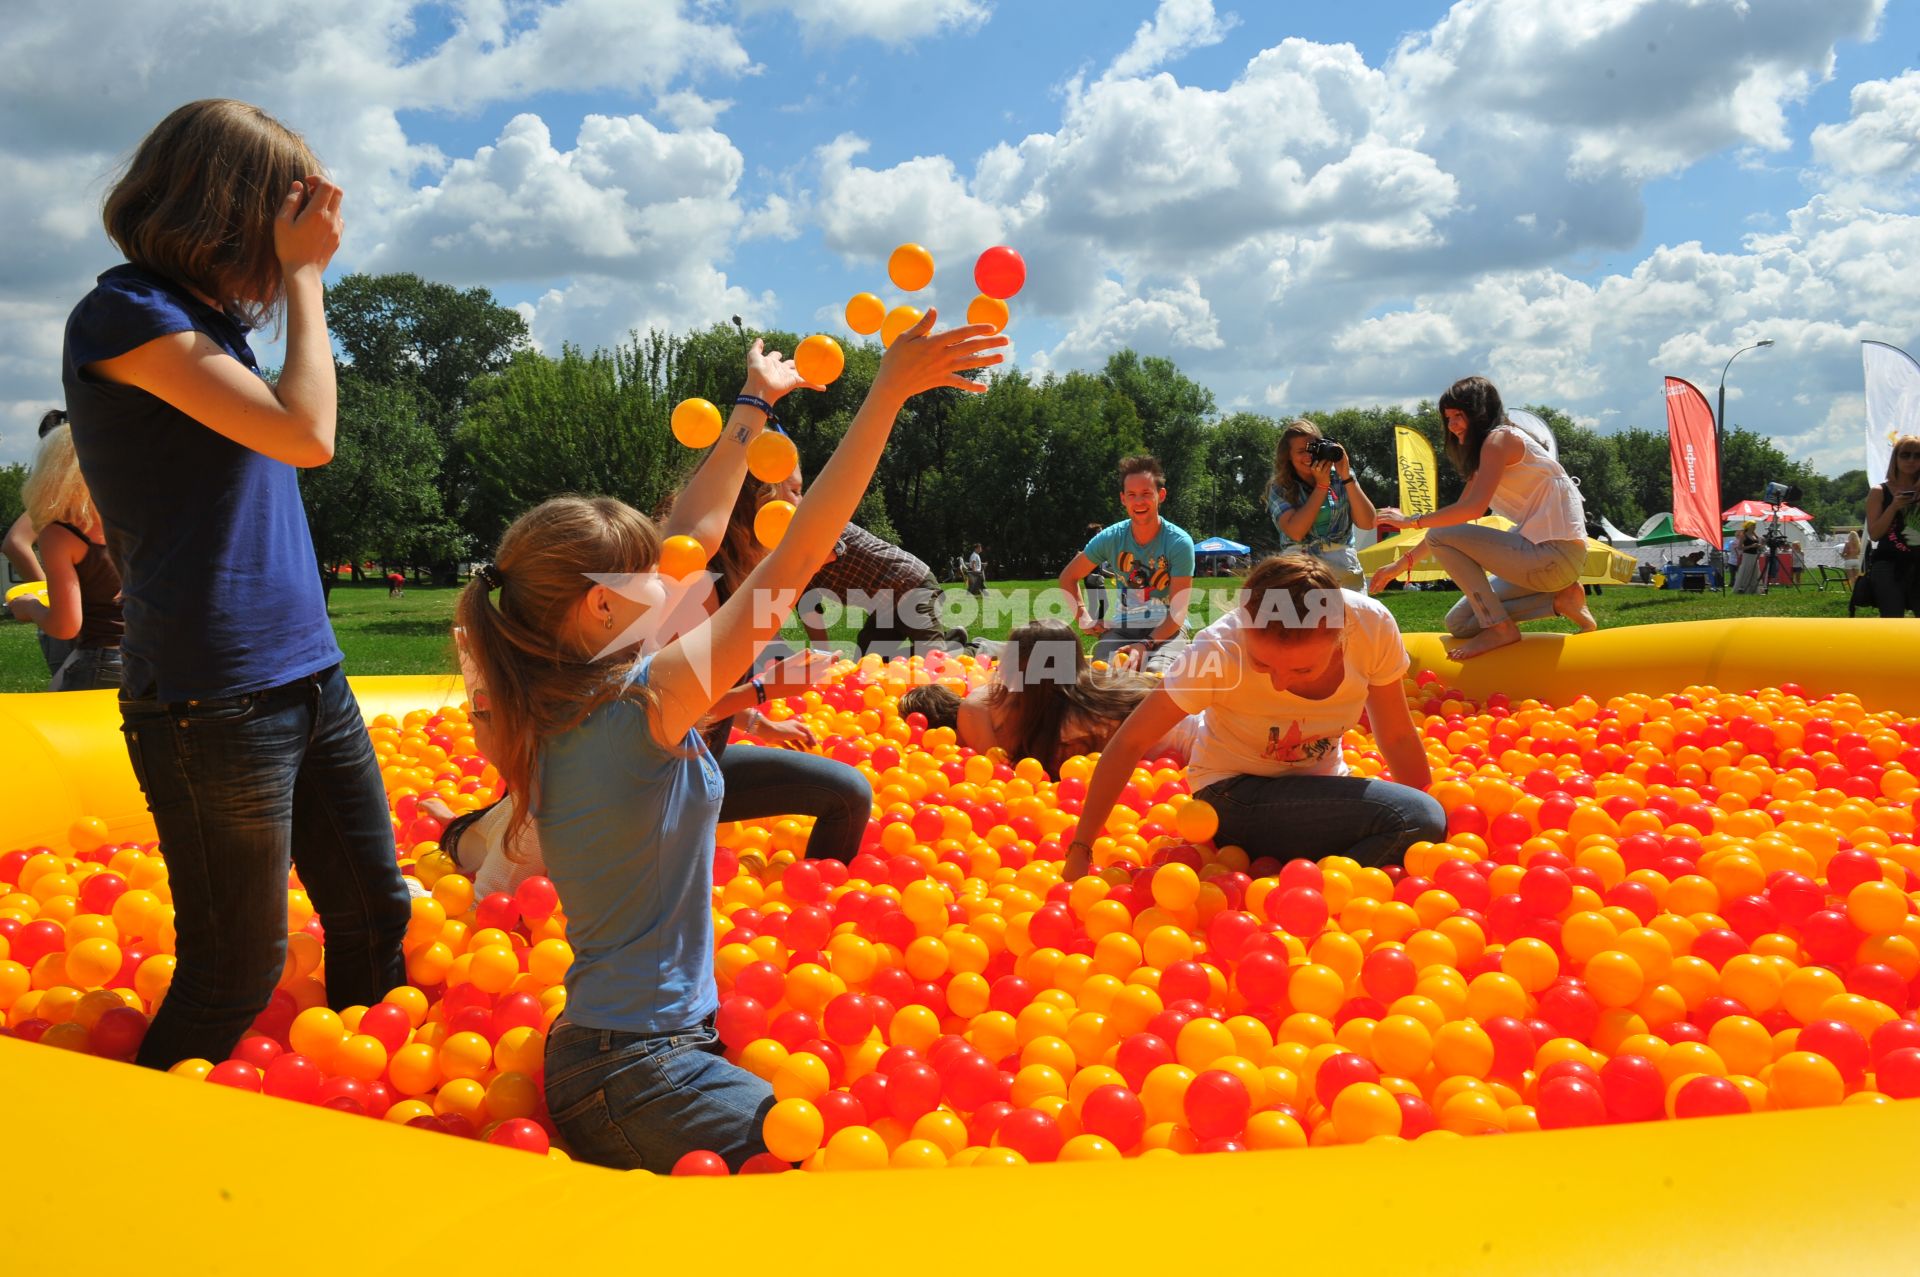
[
  {"x": 1277, "y": 683},
  {"x": 600, "y": 742}
]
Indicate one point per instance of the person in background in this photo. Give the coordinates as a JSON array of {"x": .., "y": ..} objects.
[
  {"x": 1536, "y": 564},
  {"x": 17, "y": 546},
  {"x": 1850, "y": 558},
  {"x": 1752, "y": 551},
  {"x": 898, "y": 593},
  {"x": 83, "y": 585},
  {"x": 976, "y": 572},
  {"x": 1894, "y": 568},
  {"x": 1316, "y": 505},
  {"x": 1151, "y": 559}
]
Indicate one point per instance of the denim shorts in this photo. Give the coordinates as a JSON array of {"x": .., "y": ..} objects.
[{"x": 636, "y": 1101}]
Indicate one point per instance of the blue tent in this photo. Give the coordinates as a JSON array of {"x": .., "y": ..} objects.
[{"x": 1219, "y": 545}]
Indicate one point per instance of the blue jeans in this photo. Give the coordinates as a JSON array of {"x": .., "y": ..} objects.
[
  {"x": 54, "y": 651},
  {"x": 87, "y": 669},
  {"x": 765, "y": 782},
  {"x": 1295, "y": 817},
  {"x": 241, "y": 788},
  {"x": 631, "y": 1101},
  {"x": 1161, "y": 653}
]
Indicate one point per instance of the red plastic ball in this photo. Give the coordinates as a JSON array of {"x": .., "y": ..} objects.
[
  {"x": 1000, "y": 272},
  {"x": 700, "y": 1162}
]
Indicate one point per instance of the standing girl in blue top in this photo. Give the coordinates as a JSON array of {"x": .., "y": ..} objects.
[
  {"x": 1316, "y": 505},
  {"x": 242, "y": 732},
  {"x": 622, "y": 790}
]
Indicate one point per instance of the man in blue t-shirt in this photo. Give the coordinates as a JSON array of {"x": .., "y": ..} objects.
[{"x": 1152, "y": 563}]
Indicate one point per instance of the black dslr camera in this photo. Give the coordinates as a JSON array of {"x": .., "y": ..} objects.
[{"x": 1320, "y": 450}]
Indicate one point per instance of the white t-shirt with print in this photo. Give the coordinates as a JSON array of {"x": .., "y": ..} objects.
[{"x": 1249, "y": 729}]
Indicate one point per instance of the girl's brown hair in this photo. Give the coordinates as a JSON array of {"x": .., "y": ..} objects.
[
  {"x": 740, "y": 549},
  {"x": 539, "y": 682},
  {"x": 1480, "y": 401},
  {"x": 1043, "y": 703},
  {"x": 198, "y": 200},
  {"x": 940, "y": 706},
  {"x": 55, "y": 492},
  {"x": 1286, "y": 480},
  {"x": 1287, "y": 594}
]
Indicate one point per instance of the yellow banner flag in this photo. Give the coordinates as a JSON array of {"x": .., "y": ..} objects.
[{"x": 1419, "y": 478}]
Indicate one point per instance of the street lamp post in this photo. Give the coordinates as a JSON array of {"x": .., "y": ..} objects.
[
  {"x": 1720, "y": 418},
  {"x": 1720, "y": 431}
]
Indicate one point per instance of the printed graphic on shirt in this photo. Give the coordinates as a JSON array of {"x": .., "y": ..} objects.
[
  {"x": 1144, "y": 573},
  {"x": 1293, "y": 750}
]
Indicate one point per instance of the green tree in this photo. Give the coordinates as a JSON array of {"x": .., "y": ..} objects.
[
  {"x": 581, "y": 423},
  {"x": 379, "y": 497},
  {"x": 12, "y": 476},
  {"x": 404, "y": 330},
  {"x": 1239, "y": 464},
  {"x": 1172, "y": 410}
]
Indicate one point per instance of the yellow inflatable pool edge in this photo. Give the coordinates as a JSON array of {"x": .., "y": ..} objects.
[
  {"x": 216, "y": 1189},
  {"x": 215, "y": 1196}
]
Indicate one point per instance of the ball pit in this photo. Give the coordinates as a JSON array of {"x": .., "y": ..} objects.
[{"x": 1644, "y": 911}]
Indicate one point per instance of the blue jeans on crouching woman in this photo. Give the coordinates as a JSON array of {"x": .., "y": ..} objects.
[
  {"x": 1295, "y": 817},
  {"x": 241, "y": 788},
  {"x": 641, "y": 1102}
]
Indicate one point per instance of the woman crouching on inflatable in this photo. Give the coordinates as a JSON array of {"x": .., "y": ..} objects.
[
  {"x": 598, "y": 740},
  {"x": 1277, "y": 683},
  {"x": 1536, "y": 564}
]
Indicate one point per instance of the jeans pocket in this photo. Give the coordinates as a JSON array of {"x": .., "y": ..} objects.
[
  {"x": 588, "y": 1127},
  {"x": 220, "y": 711}
]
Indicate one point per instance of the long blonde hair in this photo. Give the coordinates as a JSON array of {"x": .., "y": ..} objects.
[
  {"x": 56, "y": 491},
  {"x": 539, "y": 682}
]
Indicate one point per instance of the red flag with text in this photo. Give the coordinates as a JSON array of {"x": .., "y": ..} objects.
[{"x": 1696, "y": 464}]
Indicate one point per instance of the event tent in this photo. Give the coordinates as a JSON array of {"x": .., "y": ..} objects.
[{"x": 1219, "y": 545}]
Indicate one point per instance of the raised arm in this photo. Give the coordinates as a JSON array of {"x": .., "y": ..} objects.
[
  {"x": 690, "y": 672},
  {"x": 703, "y": 507},
  {"x": 293, "y": 419}
]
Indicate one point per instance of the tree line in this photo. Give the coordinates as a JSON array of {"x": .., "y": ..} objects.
[{"x": 451, "y": 424}]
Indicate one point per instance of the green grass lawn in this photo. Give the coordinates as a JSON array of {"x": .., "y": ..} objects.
[{"x": 409, "y": 635}]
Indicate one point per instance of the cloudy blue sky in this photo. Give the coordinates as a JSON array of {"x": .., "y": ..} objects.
[{"x": 1305, "y": 206}]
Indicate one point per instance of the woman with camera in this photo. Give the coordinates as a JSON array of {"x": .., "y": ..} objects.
[
  {"x": 1894, "y": 566},
  {"x": 1534, "y": 566},
  {"x": 1315, "y": 502}
]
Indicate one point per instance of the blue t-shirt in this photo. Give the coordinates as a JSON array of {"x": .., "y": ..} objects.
[
  {"x": 1144, "y": 572},
  {"x": 219, "y": 581},
  {"x": 627, "y": 828},
  {"x": 1332, "y": 522}
]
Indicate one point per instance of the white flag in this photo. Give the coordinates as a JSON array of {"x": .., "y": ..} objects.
[{"x": 1893, "y": 403}]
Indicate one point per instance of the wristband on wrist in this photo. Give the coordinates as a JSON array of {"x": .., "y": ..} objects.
[{"x": 755, "y": 401}]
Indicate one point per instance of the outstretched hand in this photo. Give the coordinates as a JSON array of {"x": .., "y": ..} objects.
[
  {"x": 921, "y": 359},
  {"x": 801, "y": 671},
  {"x": 770, "y": 375}
]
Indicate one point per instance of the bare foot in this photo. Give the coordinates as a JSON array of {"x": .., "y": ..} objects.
[
  {"x": 1572, "y": 604},
  {"x": 1487, "y": 640}
]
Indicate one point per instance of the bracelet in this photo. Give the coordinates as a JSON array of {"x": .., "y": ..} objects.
[
  {"x": 759, "y": 691},
  {"x": 1337, "y": 480},
  {"x": 755, "y": 401}
]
